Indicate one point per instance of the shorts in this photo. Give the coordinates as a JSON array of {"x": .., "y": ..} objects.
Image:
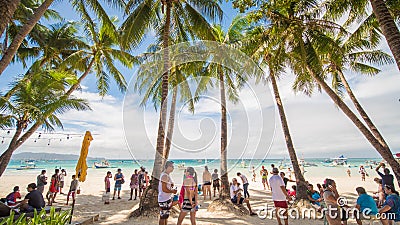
[
  {"x": 264, "y": 180},
  {"x": 186, "y": 206},
  {"x": 165, "y": 208},
  {"x": 216, "y": 184},
  {"x": 234, "y": 200},
  {"x": 72, "y": 193},
  {"x": 344, "y": 215},
  {"x": 50, "y": 194},
  {"x": 207, "y": 183},
  {"x": 281, "y": 204},
  {"x": 61, "y": 185},
  {"x": 117, "y": 187},
  {"x": 134, "y": 186}
]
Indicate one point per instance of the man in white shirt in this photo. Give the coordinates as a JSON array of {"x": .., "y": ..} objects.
[
  {"x": 279, "y": 196},
  {"x": 236, "y": 196},
  {"x": 245, "y": 184},
  {"x": 165, "y": 189}
]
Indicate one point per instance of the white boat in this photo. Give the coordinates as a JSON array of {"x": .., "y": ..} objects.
[
  {"x": 103, "y": 164},
  {"x": 339, "y": 161},
  {"x": 29, "y": 165}
]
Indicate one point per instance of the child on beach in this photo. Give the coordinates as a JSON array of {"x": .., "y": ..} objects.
[
  {"x": 106, "y": 195},
  {"x": 134, "y": 184},
  {"x": 72, "y": 189}
]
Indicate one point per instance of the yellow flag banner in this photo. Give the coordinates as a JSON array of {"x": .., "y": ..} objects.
[{"x": 81, "y": 166}]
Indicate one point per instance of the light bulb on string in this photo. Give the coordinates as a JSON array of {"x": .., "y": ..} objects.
[
  {"x": 49, "y": 142},
  {"x": 2, "y": 141},
  {"x": 60, "y": 139},
  {"x": 35, "y": 140},
  {"x": 40, "y": 134},
  {"x": 68, "y": 137},
  {"x": 8, "y": 132}
]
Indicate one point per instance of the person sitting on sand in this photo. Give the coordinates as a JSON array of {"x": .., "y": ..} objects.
[
  {"x": 33, "y": 200},
  {"x": 215, "y": 179},
  {"x": 13, "y": 196},
  {"x": 165, "y": 189},
  {"x": 245, "y": 185},
  {"x": 134, "y": 185},
  {"x": 380, "y": 194},
  {"x": 264, "y": 177},
  {"x": 72, "y": 188},
  {"x": 206, "y": 183},
  {"x": 314, "y": 197},
  {"x": 387, "y": 178},
  {"x": 390, "y": 210},
  {"x": 331, "y": 196},
  {"x": 236, "y": 196},
  {"x": 292, "y": 193},
  {"x": 190, "y": 196},
  {"x": 279, "y": 196},
  {"x": 365, "y": 205}
]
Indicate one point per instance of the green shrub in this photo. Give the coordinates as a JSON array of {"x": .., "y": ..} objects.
[{"x": 54, "y": 218}]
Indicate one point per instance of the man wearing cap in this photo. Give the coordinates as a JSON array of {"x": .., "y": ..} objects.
[
  {"x": 279, "y": 195},
  {"x": 33, "y": 200},
  {"x": 165, "y": 189}
]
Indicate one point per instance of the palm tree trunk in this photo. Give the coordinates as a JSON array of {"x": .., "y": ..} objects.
[
  {"x": 23, "y": 32},
  {"x": 389, "y": 28},
  {"x": 384, "y": 152},
  {"x": 149, "y": 197},
  {"x": 224, "y": 139},
  {"x": 171, "y": 124},
  {"x": 7, "y": 9},
  {"x": 301, "y": 191},
  {"x": 83, "y": 76},
  {"x": 362, "y": 112}
]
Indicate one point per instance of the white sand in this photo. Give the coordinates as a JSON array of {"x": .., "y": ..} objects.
[{"x": 89, "y": 202}]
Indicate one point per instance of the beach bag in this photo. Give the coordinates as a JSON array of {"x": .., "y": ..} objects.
[
  {"x": 122, "y": 181},
  {"x": 78, "y": 191},
  {"x": 106, "y": 197},
  {"x": 181, "y": 195}
]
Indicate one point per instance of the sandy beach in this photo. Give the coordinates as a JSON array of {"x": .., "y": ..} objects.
[{"x": 89, "y": 202}]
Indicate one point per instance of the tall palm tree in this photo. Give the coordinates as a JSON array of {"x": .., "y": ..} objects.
[
  {"x": 144, "y": 15},
  {"x": 226, "y": 78},
  {"x": 260, "y": 46},
  {"x": 94, "y": 5},
  {"x": 36, "y": 103},
  {"x": 304, "y": 33}
]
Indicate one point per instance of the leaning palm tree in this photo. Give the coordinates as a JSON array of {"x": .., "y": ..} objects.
[
  {"x": 304, "y": 34},
  {"x": 27, "y": 27},
  {"x": 37, "y": 103},
  {"x": 385, "y": 13},
  {"x": 270, "y": 53},
  {"x": 7, "y": 9},
  {"x": 144, "y": 15}
]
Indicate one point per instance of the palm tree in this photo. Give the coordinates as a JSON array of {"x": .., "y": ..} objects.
[
  {"x": 145, "y": 15},
  {"x": 36, "y": 103},
  {"x": 260, "y": 46},
  {"x": 357, "y": 53},
  {"x": 7, "y": 9},
  {"x": 299, "y": 27},
  {"x": 225, "y": 77},
  {"x": 384, "y": 12},
  {"x": 94, "y": 5}
]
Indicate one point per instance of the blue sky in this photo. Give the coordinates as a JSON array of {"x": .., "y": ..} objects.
[{"x": 318, "y": 128}]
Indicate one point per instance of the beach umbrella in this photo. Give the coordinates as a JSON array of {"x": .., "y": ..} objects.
[{"x": 81, "y": 166}]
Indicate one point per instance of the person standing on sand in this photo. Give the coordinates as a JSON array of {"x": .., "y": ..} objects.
[
  {"x": 61, "y": 178},
  {"x": 190, "y": 196},
  {"x": 165, "y": 189},
  {"x": 134, "y": 185},
  {"x": 264, "y": 177},
  {"x": 279, "y": 196},
  {"x": 206, "y": 183},
  {"x": 245, "y": 185},
  {"x": 119, "y": 180},
  {"x": 387, "y": 178},
  {"x": 41, "y": 181},
  {"x": 72, "y": 189},
  {"x": 215, "y": 179},
  {"x": 107, "y": 184},
  {"x": 289, "y": 173},
  {"x": 253, "y": 171},
  {"x": 362, "y": 172},
  {"x": 348, "y": 172}
]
